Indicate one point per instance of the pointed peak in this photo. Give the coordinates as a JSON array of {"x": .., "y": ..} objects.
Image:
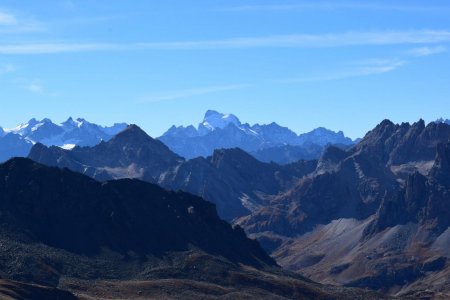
[
  {"x": 68, "y": 121},
  {"x": 131, "y": 135},
  {"x": 386, "y": 122},
  {"x": 384, "y": 126},
  {"x": 33, "y": 121},
  {"x": 211, "y": 112},
  {"x": 134, "y": 130},
  {"x": 133, "y": 127},
  {"x": 46, "y": 120},
  {"x": 420, "y": 123}
]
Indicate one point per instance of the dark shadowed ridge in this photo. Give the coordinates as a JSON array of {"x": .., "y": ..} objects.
[{"x": 121, "y": 215}]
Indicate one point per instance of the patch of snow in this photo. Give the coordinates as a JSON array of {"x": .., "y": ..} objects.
[
  {"x": 358, "y": 170},
  {"x": 68, "y": 146},
  {"x": 36, "y": 127},
  {"x": 249, "y": 203},
  {"x": 214, "y": 119}
]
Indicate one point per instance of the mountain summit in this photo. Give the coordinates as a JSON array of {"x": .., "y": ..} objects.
[{"x": 215, "y": 120}]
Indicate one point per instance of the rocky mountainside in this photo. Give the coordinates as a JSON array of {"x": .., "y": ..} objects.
[
  {"x": 129, "y": 154},
  {"x": 68, "y": 134},
  {"x": 219, "y": 131},
  {"x": 235, "y": 181},
  {"x": 126, "y": 239},
  {"x": 382, "y": 206}
]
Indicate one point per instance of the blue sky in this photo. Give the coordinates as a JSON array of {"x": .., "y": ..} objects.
[{"x": 345, "y": 65}]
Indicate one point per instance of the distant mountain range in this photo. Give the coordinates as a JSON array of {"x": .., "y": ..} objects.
[
  {"x": 266, "y": 142},
  {"x": 19, "y": 140},
  {"x": 217, "y": 131}
]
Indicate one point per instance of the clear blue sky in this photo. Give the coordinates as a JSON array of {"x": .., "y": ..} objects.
[{"x": 345, "y": 65}]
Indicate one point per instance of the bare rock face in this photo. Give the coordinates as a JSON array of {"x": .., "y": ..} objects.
[
  {"x": 355, "y": 183},
  {"x": 381, "y": 207},
  {"x": 441, "y": 168},
  {"x": 397, "y": 144}
]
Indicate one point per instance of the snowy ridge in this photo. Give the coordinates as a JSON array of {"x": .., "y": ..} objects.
[
  {"x": 218, "y": 130},
  {"x": 17, "y": 141},
  {"x": 67, "y": 134},
  {"x": 214, "y": 120}
]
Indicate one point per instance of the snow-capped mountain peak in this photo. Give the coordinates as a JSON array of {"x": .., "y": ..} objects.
[
  {"x": 27, "y": 128},
  {"x": 66, "y": 134},
  {"x": 70, "y": 123},
  {"x": 214, "y": 120},
  {"x": 218, "y": 130}
]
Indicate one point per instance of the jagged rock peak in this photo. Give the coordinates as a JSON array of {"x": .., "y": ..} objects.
[{"x": 131, "y": 130}]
